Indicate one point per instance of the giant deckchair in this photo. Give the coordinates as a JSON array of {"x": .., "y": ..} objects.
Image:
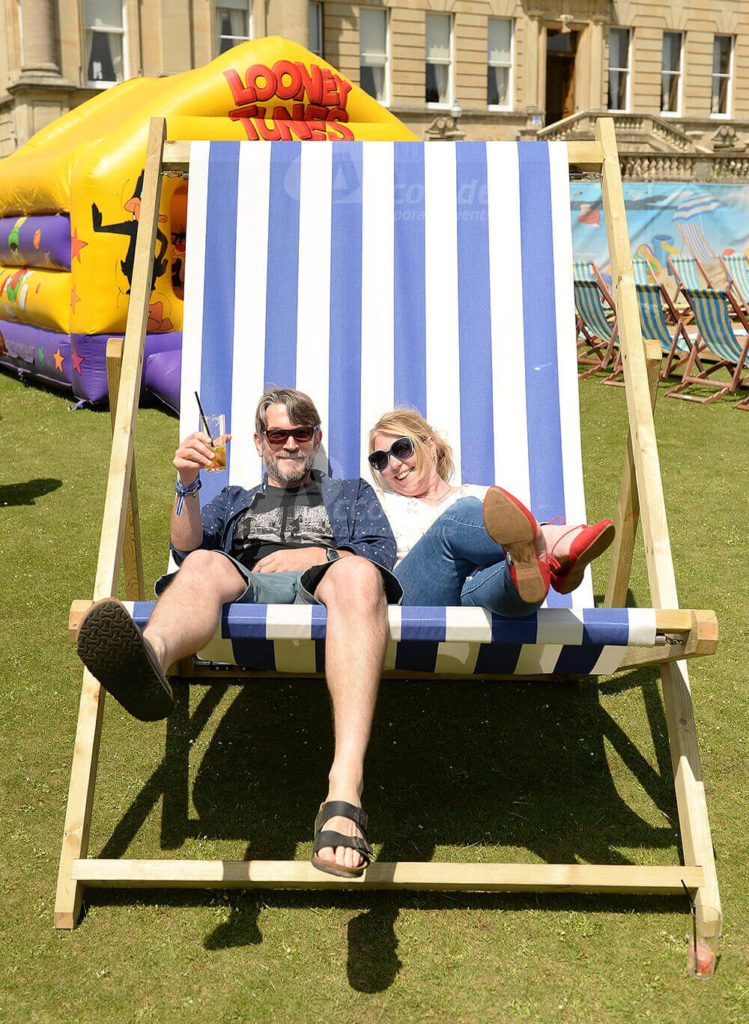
[
  {"x": 437, "y": 275},
  {"x": 723, "y": 340}
]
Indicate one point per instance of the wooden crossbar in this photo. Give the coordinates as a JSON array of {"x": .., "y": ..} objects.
[{"x": 292, "y": 874}]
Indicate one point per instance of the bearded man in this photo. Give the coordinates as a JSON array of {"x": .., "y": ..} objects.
[{"x": 299, "y": 537}]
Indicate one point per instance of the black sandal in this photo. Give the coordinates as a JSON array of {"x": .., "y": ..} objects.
[
  {"x": 339, "y": 808},
  {"x": 114, "y": 651}
]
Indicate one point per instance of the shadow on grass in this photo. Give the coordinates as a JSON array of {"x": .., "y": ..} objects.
[
  {"x": 25, "y": 493},
  {"x": 461, "y": 764}
]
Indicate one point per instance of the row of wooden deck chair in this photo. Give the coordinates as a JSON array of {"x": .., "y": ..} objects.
[
  {"x": 596, "y": 321},
  {"x": 717, "y": 338},
  {"x": 720, "y": 318},
  {"x": 437, "y": 275}
]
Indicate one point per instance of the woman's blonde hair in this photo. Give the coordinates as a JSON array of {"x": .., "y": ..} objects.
[{"x": 409, "y": 423}]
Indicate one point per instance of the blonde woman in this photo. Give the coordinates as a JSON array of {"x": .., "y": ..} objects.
[{"x": 467, "y": 544}]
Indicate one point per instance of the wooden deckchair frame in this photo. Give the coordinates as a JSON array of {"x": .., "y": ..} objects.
[{"x": 641, "y": 497}]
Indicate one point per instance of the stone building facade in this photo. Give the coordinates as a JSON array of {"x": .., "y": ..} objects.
[{"x": 671, "y": 74}]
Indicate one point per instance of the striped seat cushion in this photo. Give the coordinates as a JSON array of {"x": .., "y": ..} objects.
[{"x": 463, "y": 641}]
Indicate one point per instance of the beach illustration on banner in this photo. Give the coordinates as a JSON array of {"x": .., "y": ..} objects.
[{"x": 664, "y": 219}]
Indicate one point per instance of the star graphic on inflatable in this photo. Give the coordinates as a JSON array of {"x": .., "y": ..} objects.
[
  {"x": 40, "y": 350},
  {"x": 74, "y": 298},
  {"x": 75, "y": 246},
  {"x": 77, "y": 360},
  {"x": 57, "y": 356}
]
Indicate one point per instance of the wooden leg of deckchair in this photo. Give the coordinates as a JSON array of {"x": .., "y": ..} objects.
[
  {"x": 80, "y": 801},
  {"x": 83, "y": 773},
  {"x": 694, "y": 824},
  {"x": 682, "y": 735},
  {"x": 628, "y": 509},
  {"x": 132, "y": 557}
]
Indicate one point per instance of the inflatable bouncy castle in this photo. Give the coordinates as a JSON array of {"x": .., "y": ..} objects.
[{"x": 70, "y": 201}]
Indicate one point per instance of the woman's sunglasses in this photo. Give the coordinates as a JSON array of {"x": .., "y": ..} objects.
[
  {"x": 401, "y": 448},
  {"x": 278, "y": 436}
]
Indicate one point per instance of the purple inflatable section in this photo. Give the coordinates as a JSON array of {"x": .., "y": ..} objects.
[
  {"x": 36, "y": 241},
  {"x": 89, "y": 356},
  {"x": 81, "y": 361},
  {"x": 36, "y": 352}
]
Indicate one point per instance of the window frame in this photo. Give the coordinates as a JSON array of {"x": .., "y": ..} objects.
[
  {"x": 447, "y": 104},
  {"x": 728, "y": 77},
  {"x": 218, "y": 37},
  {"x": 385, "y": 12},
  {"x": 678, "y": 74},
  {"x": 510, "y": 65},
  {"x": 119, "y": 30},
  {"x": 317, "y": 8},
  {"x": 626, "y": 70}
]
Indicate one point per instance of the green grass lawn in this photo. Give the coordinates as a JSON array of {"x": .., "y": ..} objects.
[{"x": 456, "y": 770}]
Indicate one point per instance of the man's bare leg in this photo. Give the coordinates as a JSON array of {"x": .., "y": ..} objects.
[
  {"x": 187, "y": 614},
  {"x": 355, "y": 644}
]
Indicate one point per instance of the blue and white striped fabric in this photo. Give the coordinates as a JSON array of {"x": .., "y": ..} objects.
[
  {"x": 446, "y": 641},
  {"x": 588, "y": 302},
  {"x": 737, "y": 270},
  {"x": 654, "y": 322},
  {"x": 374, "y": 274},
  {"x": 718, "y": 331}
]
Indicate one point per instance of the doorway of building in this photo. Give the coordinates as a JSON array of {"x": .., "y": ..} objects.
[{"x": 561, "y": 49}]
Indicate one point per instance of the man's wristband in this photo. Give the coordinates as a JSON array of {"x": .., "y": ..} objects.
[{"x": 192, "y": 488}]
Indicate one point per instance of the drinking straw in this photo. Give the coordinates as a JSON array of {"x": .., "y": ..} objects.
[
  {"x": 202, "y": 416},
  {"x": 693, "y": 912}
]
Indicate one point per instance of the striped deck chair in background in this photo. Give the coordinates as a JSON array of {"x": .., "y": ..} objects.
[
  {"x": 655, "y": 306},
  {"x": 595, "y": 322},
  {"x": 688, "y": 272},
  {"x": 673, "y": 339},
  {"x": 438, "y": 275},
  {"x": 737, "y": 274},
  {"x": 729, "y": 347}
]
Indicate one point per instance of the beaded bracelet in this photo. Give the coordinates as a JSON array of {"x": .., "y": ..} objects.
[{"x": 193, "y": 488}]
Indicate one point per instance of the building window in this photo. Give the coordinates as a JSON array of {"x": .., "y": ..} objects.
[
  {"x": 105, "y": 41},
  {"x": 671, "y": 73},
  {"x": 722, "y": 68},
  {"x": 373, "y": 52},
  {"x": 499, "y": 63},
  {"x": 439, "y": 38},
  {"x": 315, "y": 28},
  {"x": 619, "y": 66},
  {"x": 233, "y": 24}
]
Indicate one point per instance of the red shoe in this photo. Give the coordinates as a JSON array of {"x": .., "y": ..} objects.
[
  {"x": 509, "y": 523},
  {"x": 591, "y": 541}
]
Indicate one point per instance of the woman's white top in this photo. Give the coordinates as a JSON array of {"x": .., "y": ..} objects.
[{"x": 410, "y": 518}]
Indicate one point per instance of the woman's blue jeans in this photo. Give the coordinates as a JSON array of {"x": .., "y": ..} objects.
[{"x": 457, "y": 563}]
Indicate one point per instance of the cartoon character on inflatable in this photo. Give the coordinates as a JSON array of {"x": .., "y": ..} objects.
[{"x": 70, "y": 202}]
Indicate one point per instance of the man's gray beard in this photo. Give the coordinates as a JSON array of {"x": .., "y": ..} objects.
[{"x": 302, "y": 466}]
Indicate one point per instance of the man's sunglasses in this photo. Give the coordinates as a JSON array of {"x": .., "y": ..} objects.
[
  {"x": 278, "y": 436},
  {"x": 401, "y": 448}
]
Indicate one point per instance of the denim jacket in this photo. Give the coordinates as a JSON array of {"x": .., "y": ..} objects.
[{"x": 356, "y": 518}]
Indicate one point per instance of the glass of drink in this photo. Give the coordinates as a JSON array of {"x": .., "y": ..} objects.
[
  {"x": 703, "y": 941},
  {"x": 214, "y": 424}
]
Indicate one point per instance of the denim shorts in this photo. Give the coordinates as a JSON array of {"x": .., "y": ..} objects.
[{"x": 287, "y": 587}]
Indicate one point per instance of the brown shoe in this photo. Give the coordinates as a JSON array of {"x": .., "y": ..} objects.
[
  {"x": 114, "y": 651},
  {"x": 511, "y": 524}
]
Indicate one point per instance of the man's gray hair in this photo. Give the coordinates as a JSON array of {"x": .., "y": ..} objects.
[{"x": 300, "y": 407}]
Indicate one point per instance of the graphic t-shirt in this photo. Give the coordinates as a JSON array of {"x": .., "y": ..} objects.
[{"x": 282, "y": 518}]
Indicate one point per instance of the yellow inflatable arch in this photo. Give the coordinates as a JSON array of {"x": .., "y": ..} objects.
[{"x": 70, "y": 201}]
